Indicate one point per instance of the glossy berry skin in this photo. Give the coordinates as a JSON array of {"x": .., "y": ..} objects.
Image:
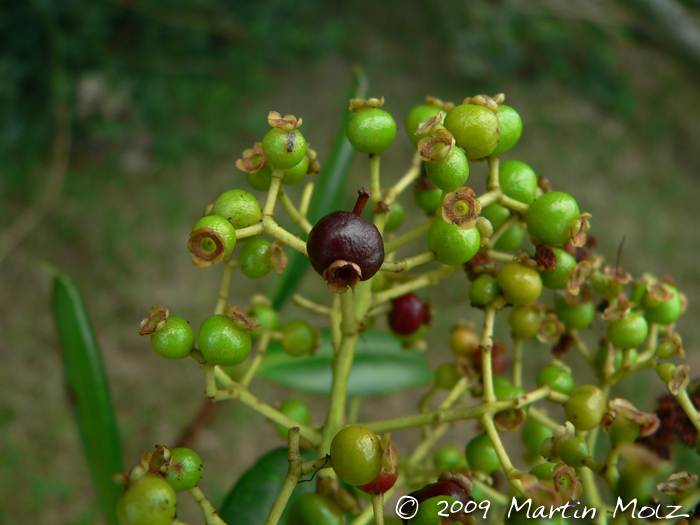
[
  {"x": 628, "y": 332},
  {"x": 254, "y": 258},
  {"x": 525, "y": 322},
  {"x": 574, "y": 316},
  {"x": 175, "y": 340},
  {"x": 395, "y": 217},
  {"x": 295, "y": 174},
  {"x": 513, "y": 236},
  {"x": 202, "y": 244},
  {"x": 267, "y": 317},
  {"x": 315, "y": 509},
  {"x": 449, "y": 458},
  {"x": 533, "y": 434},
  {"x": 549, "y": 219},
  {"x": 556, "y": 378},
  {"x": 416, "y": 116},
  {"x": 449, "y": 173},
  {"x": 149, "y": 501},
  {"x": 346, "y": 236},
  {"x": 371, "y": 131},
  {"x": 356, "y": 455},
  {"x": 558, "y": 278},
  {"x": 510, "y": 126},
  {"x": 260, "y": 180},
  {"x": 384, "y": 480},
  {"x": 481, "y": 455},
  {"x": 239, "y": 207},
  {"x": 222, "y": 341},
  {"x": 665, "y": 312},
  {"x": 299, "y": 338},
  {"x": 519, "y": 284},
  {"x": 483, "y": 290},
  {"x": 428, "y": 511},
  {"x": 407, "y": 314},
  {"x": 572, "y": 451},
  {"x": 518, "y": 181},
  {"x": 297, "y": 410},
  {"x": 475, "y": 129},
  {"x": 428, "y": 199},
  {"x": 452, "y": 245},
  {"x": 464, "y": 341},
  {"x": 284, "y": 149},
  {"x": 185, "y": 469},
  {"x": 586, "y": 407}
]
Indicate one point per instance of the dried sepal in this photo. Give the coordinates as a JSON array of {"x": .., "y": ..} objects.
[
  {"x": 526, "y": 259},
  {"x": 278, "y": 259},
  {"x": 567, "y": 485},
  {"x": 675, "y": 345},
  {"x": 544, "y": 184},
  {"x": 253, "y": 160},
  {"x": 461, "y": 207},
  {"x": 480, "y": 264},
  {"x": 287, "y": 123},
  {"x": 431, "y": 124},
  {"x": 437, "y": 103},
  {"x": 329, "y": 486},
  {"x": 490, "y": 103},
  {"x": 314, "y": 165},
  {"x": 545, "y": 257},
  {"x": 241, "y": 319},
  {"x": 200, "y": 257},
  {"x": 551, "y": 329},
  {"x": 618, "y": 310},
  {"x": 510, "y": 419},
  {"x": 657, "y": 292},
  {"x": 541, "y": 493},
  {"x": 155, "y": 320},
  {"x": 680, "y": 379},
  {"x": 360, "y": 104},
  {"x": 579, "y": 229},
  {"x": 342, "y": 274},
  {"x": 617, "y": 274},
  {"x": 678, "y": 483},
  {"x": 622, "y": 408},
  {"x": 157, "y": 461},
  {"x": 427, "y": 145},
  {"x": 581, "y": 272}
]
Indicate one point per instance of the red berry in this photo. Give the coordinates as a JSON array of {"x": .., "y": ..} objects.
[
  {"x": 385, "y": 479},
  {"x": 407, "y": 315}
]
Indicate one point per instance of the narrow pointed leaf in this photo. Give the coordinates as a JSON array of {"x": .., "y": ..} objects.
[
  {"x": 88, "y": 391},
  {"x": 327, "y": 197},
  {"x": 381, "y": 366}
]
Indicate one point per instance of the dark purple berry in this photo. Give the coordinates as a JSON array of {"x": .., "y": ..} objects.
[
  {"x": 457, "y": 486},
  {"x": 407, "y": 314},
  {"x": 344, "y": 248}
]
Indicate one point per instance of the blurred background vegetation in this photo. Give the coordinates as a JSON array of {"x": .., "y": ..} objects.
[{"x": 122, "y": 119}]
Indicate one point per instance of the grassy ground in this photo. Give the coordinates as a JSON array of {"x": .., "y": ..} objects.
[{"x": 123, "y": 240}]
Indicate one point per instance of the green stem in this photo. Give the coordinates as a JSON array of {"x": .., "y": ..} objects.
[
  {"x": 486, "y": 351},
  {"x": 290, "y": 481},
  {"x": 516, "y": 206},
  {"x": 293, "y": 213},
  {"x": 250, "y": 231},
  {"x": 403, "y": 265},
  {"x": 518, "y": 362},
  {"x": 581, "y": 347},
  {"x": 375, "y": 186},
  {"x": 272, "y": 193},
  {"x": 688, "y": 407},
  {"x": 511, "y": 472},
  {"x": 489, "y": 197},
  {"x": 499, "y": 256},
  {"x": 311, "y": 306},
  {"x": 404, "y": 182},
  {"x": 409, "y": 236},
  {"x": 539, "y": 416},
  {"x": 590, "y": 492},
  {"x": 335, "y": 318},
  {"x": 306, "y": 199},
  {"x": 275, "y": 230},
  {"x": 428, "y": 278},
  {"x": 652, "y": 342},
  {"x": 229, "y": 265},
  {"x": 493, "y": 182},
  {"x": 210, "y": 515},
  {"x": 378, "y": 507},
  {"x": 260, "y": 351},
  {"x": 502, "y": 228}
]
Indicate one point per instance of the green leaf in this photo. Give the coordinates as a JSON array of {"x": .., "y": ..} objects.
[
  {"x": 381, "y": 366},
  {"x": 88, "y": 391},
  {"x": 327, "y": 197},
  {"x": 251, "y": 499}
]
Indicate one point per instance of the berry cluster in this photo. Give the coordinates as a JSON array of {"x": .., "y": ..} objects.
[{"x": 518, "y": 249}]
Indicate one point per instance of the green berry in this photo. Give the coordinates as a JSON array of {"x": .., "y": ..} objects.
[
  {"x": 149, "y": 501},
  {"x": 418, "y": 115},
  {"x": 665, "y": 371},
  {"x": 300, "y": 338},
  {"x": 395, "y": 217},
  {"x": 222, "y": 341},
  {"x": 628, "y": 332},
  {"x": 449, "y": 458},
  {"x": 452, "y": 245},
  {"x": 557, "y": 378},
  {"x": 254, "y": 259},
  {"x": 572, "y": 451},
  {"x": 519, "y": 284},
  {"x": 240, "y": 207},
  {"x": 212, "y": 240},
  {"x": 447, "y": 376},
  {"x": 267, "y": 317},
  {"x": 297, "y": 410},
  {"x": 550, "y": 218},
  {"x": 574, "y": 316},
  {"x": 449, "y": 173},
  {"x": 533, "y": 434},
  {"x": 483, "y": 290},
  {"x": 295, "y": 174},
  {"x": 602, "y": 353},
  {"x": 428, "y": 511},
  {"x": 260, "y": 180},
  {"x": 175, "y": 340},
  {"x": 475, "y": 129},
  {"x": 518, "y": 181},
  {"x": 481, "y": 455},
  {"x": 428, "y": 197},
  {"x": 185, "y": 469},
  {"x": 284, "y": 149},
  {"x": 510, "y": 126},
  {"x": 663, "y": 312},
  {"x": 623, "y": 430},
  {"x": 356, "y": 455},
  {"x": 525, "y": 322},
  {"x": 315, "y": 509},
  {"x": 544, "y": 471},
  {"x": 371, "y": 131},
  {"x": 586, "y": 407},
  {"x": 513, "y": 236},
  {"x": 558, "y": 278},
  {"x": 600, "y": 282}
]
